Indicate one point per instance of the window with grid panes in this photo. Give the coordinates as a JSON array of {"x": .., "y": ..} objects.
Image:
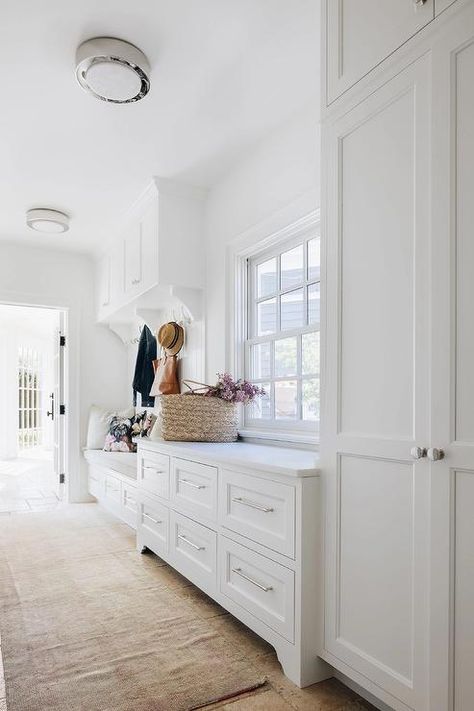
[
  {"x": 30, "y": 433},
  {"x": 282, "y": 345}
]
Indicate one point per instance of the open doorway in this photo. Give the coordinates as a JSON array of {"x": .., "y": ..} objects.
[{"x": 32, "y": 412}]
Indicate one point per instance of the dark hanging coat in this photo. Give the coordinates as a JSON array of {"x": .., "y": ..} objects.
[{"x": 144, "y": 373}]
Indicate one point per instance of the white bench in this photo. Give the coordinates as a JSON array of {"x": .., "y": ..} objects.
[{"x": 112, "y": 480}]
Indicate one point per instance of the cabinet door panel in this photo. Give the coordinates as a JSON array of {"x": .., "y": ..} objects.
[
  {"x": 361, "y": 33},
  {"x": 133, "y": 257},
  {"x": 376, "y": 401},
  {"x": 104, "y": 283},
  {"x": 452, "y": 379}
]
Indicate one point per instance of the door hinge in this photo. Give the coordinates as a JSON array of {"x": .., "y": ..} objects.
[
  {"x": 62, "y": 478},
  {"x": 62, "y": 409},
  {"x": 62, "y": 340}
]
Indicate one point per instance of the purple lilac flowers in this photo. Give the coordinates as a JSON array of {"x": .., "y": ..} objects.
[{"x": 235, "y": 390}]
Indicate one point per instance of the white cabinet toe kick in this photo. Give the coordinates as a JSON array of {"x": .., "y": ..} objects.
[{"x": 244, "y": 531}]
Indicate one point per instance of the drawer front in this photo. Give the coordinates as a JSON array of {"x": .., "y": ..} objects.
[
  {"x": 96, "y": 482},
  {"x": 112, "y": 488},
  {"x": 154, "y": 473},
  {"x": 261, "y": 510},
  {"x": 194, "y": 488},
  {"x": 259, "y": 585},
  {"x": 194, "y": 549},
  {"x": 153, "y": 524},
  {"x": 129, "y": 504}
]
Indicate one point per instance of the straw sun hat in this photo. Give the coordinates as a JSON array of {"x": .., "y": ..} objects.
[{"x": 171, "y": 337}]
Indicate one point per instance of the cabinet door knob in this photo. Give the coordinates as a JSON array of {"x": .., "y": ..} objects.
[
  {"x": 418, "y": 452},
  {"x": 435, "y": 454}
]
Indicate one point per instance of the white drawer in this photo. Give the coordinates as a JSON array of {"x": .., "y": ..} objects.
[
  {"x": 261, "y": 510},
  {"x": 96, "y": 482},
  {"x": 112, "y": 494},
  {"x": 129, "y": 504},
  {"x": 259, "y": 585},
  {"x": 153, "y": 524},
  {"x": 112, "y": 488},
  {"x": 154, "y": 473},
  {"x": 194, "y": 488},
  {"x": 194, "y": 549}
]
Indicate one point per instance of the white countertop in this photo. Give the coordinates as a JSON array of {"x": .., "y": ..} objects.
[{"x": 275, "y": 460}]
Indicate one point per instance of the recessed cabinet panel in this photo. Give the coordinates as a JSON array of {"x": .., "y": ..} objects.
[
  {"x": 133, "y": 257},
  {"x": 464, "y": 593},
  {"x": 464, "y": 206},
  {"x": 362, "y": 33},
  {"x": 377, "y": 241},
  {"x": 375, "y": 587}
]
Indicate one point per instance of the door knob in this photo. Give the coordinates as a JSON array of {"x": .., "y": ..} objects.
[
  {"x": 435, "y": 454},
  {"x": 418, "y": 452}
]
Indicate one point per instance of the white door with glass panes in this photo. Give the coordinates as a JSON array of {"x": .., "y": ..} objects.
[{"x": 282, "y": 344}]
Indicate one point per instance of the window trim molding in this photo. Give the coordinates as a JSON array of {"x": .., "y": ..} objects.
[{"x": 250, "y": 243}]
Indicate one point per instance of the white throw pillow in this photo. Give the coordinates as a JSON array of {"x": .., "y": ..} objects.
[
  {"x": 156, "y": 432},
  {"x": 99, "y": 422}
]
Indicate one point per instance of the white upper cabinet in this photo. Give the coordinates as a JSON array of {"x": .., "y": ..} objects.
[
  {"x": 362, "y": 33},
  {"x": 159, "y": 245}
]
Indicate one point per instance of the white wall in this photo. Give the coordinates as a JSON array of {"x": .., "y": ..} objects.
[
  {"x": 275, "y": 184},
  {"x": 99, "y": 368}
]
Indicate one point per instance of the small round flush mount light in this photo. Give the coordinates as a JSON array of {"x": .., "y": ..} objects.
[
  {"x": 112, "y": 70},
  {"x": 49, "y": 221}
]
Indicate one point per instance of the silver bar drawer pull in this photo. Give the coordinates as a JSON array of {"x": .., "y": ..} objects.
[
  {"x": 265, "y": 588},
  {"x": 190, "y": 543},
  {"x": 191, "y": 483},
  {"x": 252, "y": 504},
  {"x": 129, "y": 500},
  {"x": 154, "y": 469},
  {"x": 155, "y": 520}
]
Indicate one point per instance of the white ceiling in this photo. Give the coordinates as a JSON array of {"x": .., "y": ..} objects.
[{"x": 224, "y": 73}]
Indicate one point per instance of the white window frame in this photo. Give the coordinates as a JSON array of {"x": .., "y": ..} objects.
[{"x": 304, "y": 432}]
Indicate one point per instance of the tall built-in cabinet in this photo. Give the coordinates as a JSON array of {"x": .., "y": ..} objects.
[{"x": 397, "y": 442}]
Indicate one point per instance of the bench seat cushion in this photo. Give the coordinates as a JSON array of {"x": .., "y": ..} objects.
[{"x": 124, "y": 463}]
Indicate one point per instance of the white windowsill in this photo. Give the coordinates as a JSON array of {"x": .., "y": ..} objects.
[{"x": 281, "y": 438}]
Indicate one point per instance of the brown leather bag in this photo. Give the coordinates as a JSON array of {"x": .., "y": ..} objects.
[{"x": 166, "y": 376}]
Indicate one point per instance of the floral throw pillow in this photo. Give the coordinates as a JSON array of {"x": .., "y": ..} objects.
[{"x": 119, "y": 438}]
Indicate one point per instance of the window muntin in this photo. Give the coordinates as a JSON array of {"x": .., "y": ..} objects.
[
  {"x": 30, "y": 432},
  {"x": 282, "y": 345}
]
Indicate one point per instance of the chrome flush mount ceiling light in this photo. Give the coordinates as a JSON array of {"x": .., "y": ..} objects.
[
  {"x": 45, "y": 220},
  {"x": 112, "y": 70}
]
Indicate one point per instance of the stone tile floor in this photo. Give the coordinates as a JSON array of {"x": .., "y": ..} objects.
[{"x": 28, "y": 484}]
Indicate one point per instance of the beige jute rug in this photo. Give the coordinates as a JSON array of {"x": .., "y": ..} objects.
[{"x": 88, "y": 624}]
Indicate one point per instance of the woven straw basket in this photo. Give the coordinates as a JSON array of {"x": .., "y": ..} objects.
[{"x": 197, "y": 418}]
